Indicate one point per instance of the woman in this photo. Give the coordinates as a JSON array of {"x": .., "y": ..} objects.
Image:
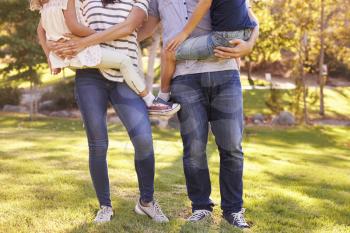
[{"x": 116, "y": 22}]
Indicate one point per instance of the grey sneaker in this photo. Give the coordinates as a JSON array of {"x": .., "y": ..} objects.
[
  {"x": 104, "y": 215},
  {"x": 153, "y": 211},
  {"x": 199, "y": 215},
  {"x": 237, "y": 219}
]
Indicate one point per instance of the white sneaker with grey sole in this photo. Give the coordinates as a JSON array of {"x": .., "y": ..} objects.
[
  {"x": 104, "y": 215},
  {"x": 153, "y": 211},
  {"x": 199, "y": 215}
]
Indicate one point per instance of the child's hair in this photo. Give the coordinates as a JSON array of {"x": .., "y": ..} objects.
[{"x": 35, "y": 5}]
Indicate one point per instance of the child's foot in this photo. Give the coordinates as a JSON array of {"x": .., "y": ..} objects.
[{"x": 160, "y": 107}]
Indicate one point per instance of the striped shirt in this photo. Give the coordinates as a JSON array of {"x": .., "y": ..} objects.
[{"x": 99, "y": 18}]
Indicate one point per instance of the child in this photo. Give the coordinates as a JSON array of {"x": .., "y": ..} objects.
[
  {"x": 231, "y": 19},
  {"x": 61, "y": 17}
]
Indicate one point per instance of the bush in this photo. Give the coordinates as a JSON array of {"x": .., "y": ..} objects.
[
  {"x": 62, "y": 96},
  {"x": 9, "y": 95}
]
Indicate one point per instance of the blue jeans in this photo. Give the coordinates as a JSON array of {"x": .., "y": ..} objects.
[
  {"x": 202, "y": 47},
  {"x": 94, "y": 93},
  {"x": 214, "y": 98}
]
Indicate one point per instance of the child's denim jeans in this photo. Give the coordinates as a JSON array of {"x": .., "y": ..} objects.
[{"x": 202, "y": 47}]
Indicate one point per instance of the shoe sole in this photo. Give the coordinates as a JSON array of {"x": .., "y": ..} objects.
[{"x": 165, "y": 113}]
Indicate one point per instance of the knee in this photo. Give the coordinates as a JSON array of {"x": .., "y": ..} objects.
[
  {"x": 98, "y": 149},
  {"x": 126, "y": 64},
  {"x": 195, "y": 155},
  {"x": 143, "y": 145}
]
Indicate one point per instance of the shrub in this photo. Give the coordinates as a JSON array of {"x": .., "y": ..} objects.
[
  {"x": 9, "y": 95},
  {"x": 62, "y": 96}
]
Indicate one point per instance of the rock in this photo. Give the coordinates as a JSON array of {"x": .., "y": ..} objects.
[
  {"x": 284, "y": 118},
  {"x": 46, "y": 105},
  {"x": 14, "y": 108},
  {"x": 258, "y": 119},
  {"x": 60, "y": 114},
  {"x": 75, "y": 114}
]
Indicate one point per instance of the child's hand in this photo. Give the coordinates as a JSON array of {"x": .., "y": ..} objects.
[{"x": 176, "y": 41}]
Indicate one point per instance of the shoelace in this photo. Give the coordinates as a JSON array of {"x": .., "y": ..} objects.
[
  {"x": 158, "y": 210},
  {"x": 198, "y": 214},
  {"x": 239, "y": 217},
  {"x": 102, "y": 212}
]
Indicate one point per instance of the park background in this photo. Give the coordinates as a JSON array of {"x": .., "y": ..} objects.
[{"x": 297, "y": 144}]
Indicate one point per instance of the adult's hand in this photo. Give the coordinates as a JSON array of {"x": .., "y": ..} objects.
[
  {"x": 239, "y": 48},
  {"x": 68, "y": 48}
]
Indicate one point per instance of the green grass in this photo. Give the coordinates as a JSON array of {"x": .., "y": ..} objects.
[
  {"x": 296, "y": 180},
  {"x": 337, "y": 104}
]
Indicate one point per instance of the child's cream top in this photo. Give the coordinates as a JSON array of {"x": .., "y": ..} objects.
[{"x": 54, "y": 23}]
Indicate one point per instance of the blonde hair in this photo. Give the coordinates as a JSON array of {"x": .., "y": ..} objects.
[{"x": 36, "y": 5}]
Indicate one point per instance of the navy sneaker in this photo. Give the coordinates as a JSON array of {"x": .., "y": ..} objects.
[
  {"x": 163, "y": 108},
  {"x": 237, "y": 219}
]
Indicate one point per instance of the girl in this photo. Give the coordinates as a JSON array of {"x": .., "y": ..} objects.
[
  {"x": 231, "y": 19},
  {"x": 62, "y": 17}
]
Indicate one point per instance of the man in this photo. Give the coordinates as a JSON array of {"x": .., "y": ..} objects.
[{"x": 209, "y": 92}]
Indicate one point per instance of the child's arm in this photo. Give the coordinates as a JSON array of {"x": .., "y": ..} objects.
[
  {"x": 255, "y": 33},
  {"x": 200, "y": 11},
  {"x": 72, "y": 21}
]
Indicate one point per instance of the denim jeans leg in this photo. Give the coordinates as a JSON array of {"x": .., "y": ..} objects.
[
  {"x": 226, "y": 118},
  {"x": 92, "y": 98},
  {"x": 194, "y": 132},
  {"x": 197, "y": 48},
  {"x": 134, "y": 115}
]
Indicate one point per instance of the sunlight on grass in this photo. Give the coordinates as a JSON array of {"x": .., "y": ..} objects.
[
  {"x": 337, "y": 102},
  {"x": 296, "y": 179}
]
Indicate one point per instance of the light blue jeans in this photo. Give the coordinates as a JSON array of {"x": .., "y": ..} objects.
[{"x": 202, "y": 47}]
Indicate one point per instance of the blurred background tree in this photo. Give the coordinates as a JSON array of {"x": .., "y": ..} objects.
[
  {"x": 20, "y": 53},
  {"x": 296, "y": 38}
]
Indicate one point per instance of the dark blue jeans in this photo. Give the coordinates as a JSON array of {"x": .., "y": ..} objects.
[
  {"x": 214, "y": 98},
  {"x": 93, "y": 93}
]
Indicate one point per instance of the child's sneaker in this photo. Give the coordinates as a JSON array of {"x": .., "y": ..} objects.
[{"x": 160, "y": 107}]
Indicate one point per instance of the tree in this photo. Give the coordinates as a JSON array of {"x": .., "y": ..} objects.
[{"x": 18, "y": 44}]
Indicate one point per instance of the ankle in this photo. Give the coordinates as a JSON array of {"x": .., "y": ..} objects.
[{"x": 164, "y": 95}]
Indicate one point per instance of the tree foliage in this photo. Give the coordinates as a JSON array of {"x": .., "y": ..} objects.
[{"x": 20, "y": 53}]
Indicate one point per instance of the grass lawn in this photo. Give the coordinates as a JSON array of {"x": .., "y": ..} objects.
[
  {"x": 296, "y": 180},
  {"x": 337, "y": 102}
]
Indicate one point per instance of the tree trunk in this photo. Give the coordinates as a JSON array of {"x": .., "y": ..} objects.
[
  {"x": 250, "y": 79},
  {"x": 31, "y": 104},
  {"x": 320, "y": 75}
]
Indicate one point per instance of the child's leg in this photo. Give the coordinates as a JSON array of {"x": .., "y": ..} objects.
[
  {"x": 197, "y": 48},
  {"x": 168, "y": 65},
  {"x": 114, "y": 59}
]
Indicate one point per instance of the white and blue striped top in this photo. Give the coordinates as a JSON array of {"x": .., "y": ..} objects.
[{"x": 100, "y": 18}]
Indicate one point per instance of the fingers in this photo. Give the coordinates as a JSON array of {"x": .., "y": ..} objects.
[
  {"x": 223, "y": 52},
  {"x": 172, "y": 45},
  {"x": 236, "y": 42},
  {"x": 69, "y": 35}
]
